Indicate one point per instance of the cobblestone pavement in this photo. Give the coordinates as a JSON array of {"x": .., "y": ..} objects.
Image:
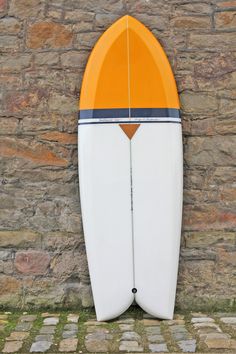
[{"x": 135, "y": 332}]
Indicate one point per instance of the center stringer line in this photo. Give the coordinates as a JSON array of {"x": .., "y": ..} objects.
[{"x": 131, "y": 168}]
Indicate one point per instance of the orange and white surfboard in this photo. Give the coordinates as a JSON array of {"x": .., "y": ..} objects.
[{"x": 130, "y": 169}]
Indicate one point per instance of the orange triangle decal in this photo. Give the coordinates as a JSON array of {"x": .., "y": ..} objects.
[{"x": 129, "y": 129}]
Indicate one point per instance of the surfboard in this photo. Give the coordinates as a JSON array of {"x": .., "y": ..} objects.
[{"x": 130, "y": 172}]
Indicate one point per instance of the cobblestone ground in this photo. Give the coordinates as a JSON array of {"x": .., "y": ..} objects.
[{"x": 135, "y": 332}]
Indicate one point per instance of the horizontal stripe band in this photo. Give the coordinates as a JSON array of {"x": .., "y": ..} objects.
[
  {"x": 139, "y": 120},
  {"x": 126, "y": 113}
]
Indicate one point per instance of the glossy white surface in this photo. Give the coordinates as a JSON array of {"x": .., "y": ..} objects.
[
  {"x": 104, "y": 172},
  {"x": 157, "y": 204},
  {"x": 105, "y": 189}
]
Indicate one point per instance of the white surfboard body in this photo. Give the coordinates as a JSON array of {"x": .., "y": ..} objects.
[{"x": 130, "y": 183}]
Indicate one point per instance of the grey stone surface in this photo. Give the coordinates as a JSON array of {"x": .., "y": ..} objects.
[
  {"x": 69, "y": 334},
  {"x": 71, "y": 327},
  {"x": 188, "y": 346},
  {"x": 28, "y": 318},
  {"x": 51, "y": 321},
  {"x": 181, "y": 336},
  {"x": 130, "y": 336},
  {"x": 45, "y": 46},
  {"x": 126, "y": 327},
  {"x": 91, "y": 337},
  {"x": 153, "y": 330},
  {"x": 44, "y": 338},
  {"x": 23, "y": 326},
  {"x": 130, "y": 346},
  {"x": 229, "y": 320},
  {"x": 202, "y": 320},
  {"x": 158, "y": 348},
  {"x": 156, "y": 338},
  {"x": 47, "y": 330},
  {"x": 41, "y": 346},
  {"x": 73, "y": 318}
]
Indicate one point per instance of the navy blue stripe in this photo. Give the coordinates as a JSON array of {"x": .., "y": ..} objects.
[
  {"x": 134, "y": 122},
  {"x": 124, "y": 113},
  {"x": 104, "y": 113},
  {"x": 155, "y": 112}
]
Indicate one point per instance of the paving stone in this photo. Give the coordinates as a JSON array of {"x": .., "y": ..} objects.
[
  {"x": 18, "y": 336},
  {"x": 126, "y": 321},
  {"x": 153, "y": 330},
  {"x": 50, "y": 321},
  {"x": 94, "y": 346},
  {"x": 69, "y": 334},
  {"x": 218, "y": 341},
  {"x": 28, "y": 318},
  {"x": 126, "y": 327},
  {"x": 44, "y": 337},
  {"x": 47, "y": 330},
  {"x": 202, "y": 336},
  {"x": 181, "y": 336},
  {"x": 23, "y": 327},
  {"x": 174, "y": 322},
  {"x": 92, "y": 329},
  {"x": 12, "y": 347},
  {"x": 228, "y": 320},
  {"x": 178, "y": 328},
  {"x": 157, "y": 348},
  {"x": 205, "y": 331},
  {"x": 202, "y": 319},
  {"x": 71, "y": 327},
  {"x": 47, "y": 314},
  {"x": 1, "y": 328},
  {"x": 130, "y": 336},
  {"x": 3, "y": 322},
  {"x": 99, "y": 336},
  {"x": 40, "y": 346},
  {"x": 156, "y": 338},
  {"x": 130, "y": 346},
  {"x": 68, "y": 345},
  {"x": 150, "y": 322},
  {"x": 73, "y": 318},
  {"x": 188, "y": 346},
  {"x": 207, "y": 325}
]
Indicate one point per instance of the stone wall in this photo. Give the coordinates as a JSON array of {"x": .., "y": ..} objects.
[{"x": 45, "y": 45}]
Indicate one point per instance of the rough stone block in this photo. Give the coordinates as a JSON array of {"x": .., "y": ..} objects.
[
  {"x": 12, "y": 347},
  {"x": 32, "y": 262},
  {"x": 48, "y": 35},
  {"x": 26, "y": 8},
  {"x": 191, "y": 23},
  {"x": 225, "y": 20},
  {"x": 212, "y": 42},
  {"x": 19, "y": 239},
  {"x": 9, "y": 26},
  {"x": 68, "y": 345}
]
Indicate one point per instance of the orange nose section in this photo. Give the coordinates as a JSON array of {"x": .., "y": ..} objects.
[{"x": 128, "y": 69}]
